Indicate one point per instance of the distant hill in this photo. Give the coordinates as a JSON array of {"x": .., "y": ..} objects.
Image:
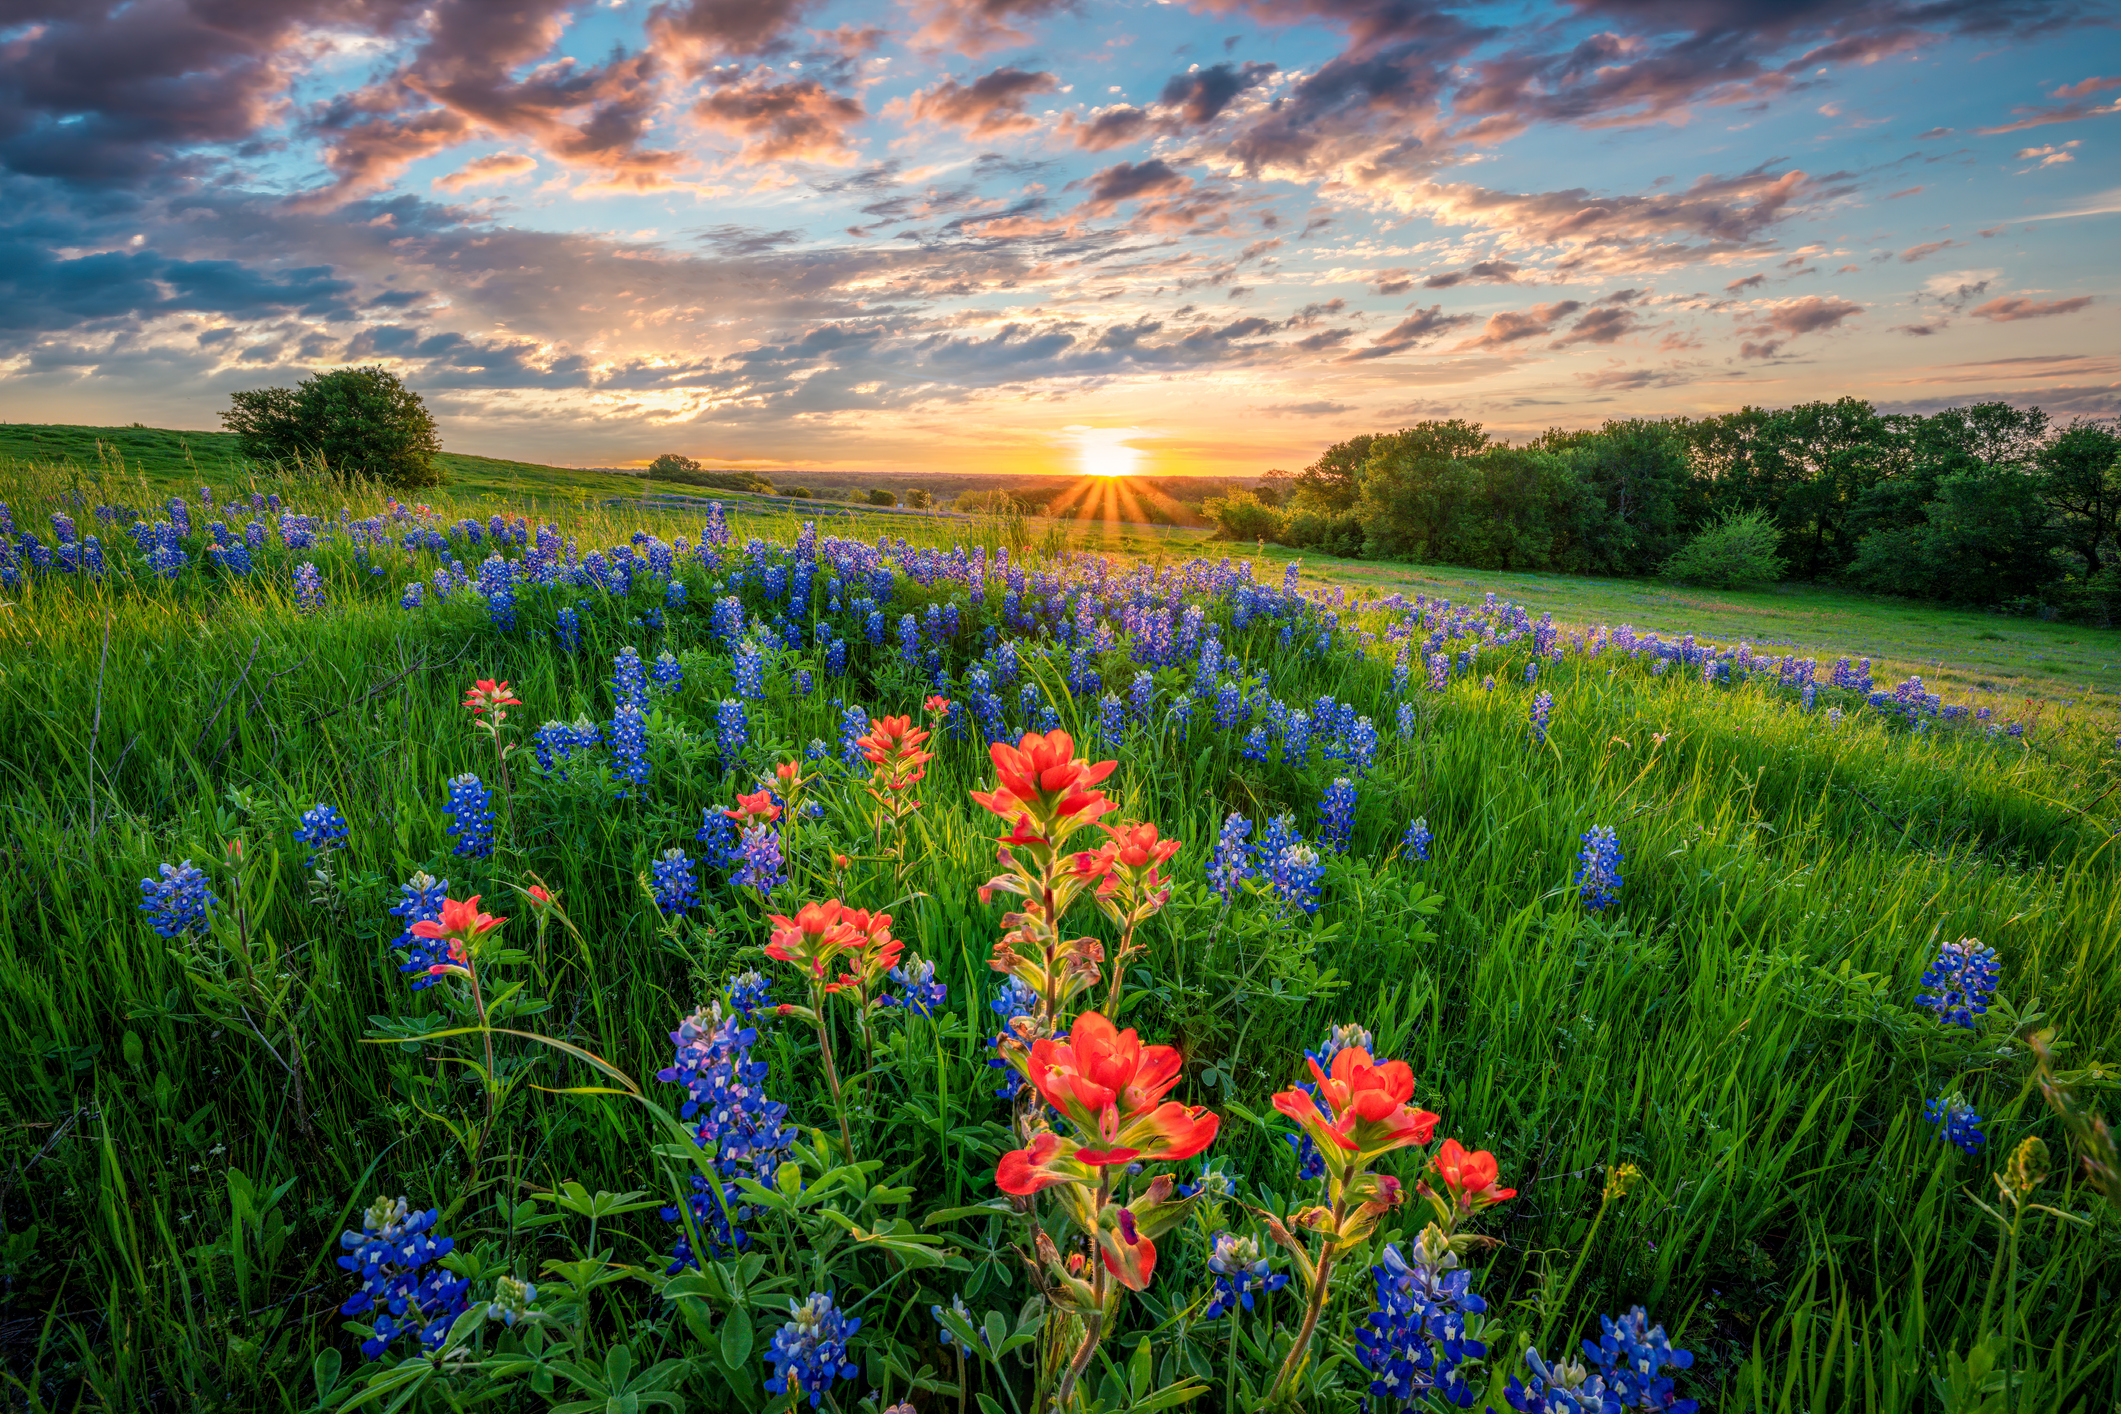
[{"x": 170, "y": 457}]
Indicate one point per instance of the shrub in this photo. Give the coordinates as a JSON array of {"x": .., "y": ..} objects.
[
  {"x": 1737, "y": 550},
  {"x": 1243, "y": 517},
  {"x": 802, "y": 493},
  {"x": 350, "y": 422},
  {"x": 878, "y": 496},
  {"x": 669, "y": 462}
]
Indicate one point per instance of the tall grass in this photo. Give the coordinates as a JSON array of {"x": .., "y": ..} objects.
[{"x": 1741, "y": 1028}]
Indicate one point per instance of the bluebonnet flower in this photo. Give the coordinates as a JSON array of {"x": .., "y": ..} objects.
[
  {"x": 810, "y": 1352},
  {"x": 470, "y": 809},
  {"x": 1956, "y": 1122},
  {"x": 674, "y": 594},
  {"x": 725, "y": 1094},
  {"x": 1016, "y": 999},
  {"x": 309, "y": 588},
  {"x": 629, "y": 678},
  {"x": 1414, "y": 844},
  {"x": 758, "y": 857},
  {"x": 675, "y": 886},
  {"x": 1487, "y": 684},
  {"x": 420, "y": 901},
  {"x": 1337, "y": 814},
  {"x": 1531, "y": 672},
  {"x": 396, "y": 1258},
  {"x": 1416, "y": 1342},
  {"x": 1598, "y": 877},
  {"x": 666, "y": 673},
  {"x": 1239, "y": 1271},
  {"x": 1232, "y": 863},
  {"x": 854, "y": 725},
  {"x": 1216, "y": 1183},
  {"x": 1112, "y": 717},
  {"x": 1408, "y": 718},
  {"x": 512, "y": 1300},
  {"x": 415, "y": 595},
  {"x": 629, "y": 744},
  {"x": 919, "y": 992},
  {"x": 1141, "y": 697},
  {"x": 732, "y": 729},
  {"x": 1964, "y": 978},
  {"x": 816, "y": 751},
  {"x": 321, "y": 829},
  {"x": 179, "y": 901},
  {"x": 569, "y": 629},
  {"x": 748, "y": 991},
  {"x": 1632, "y": 1353},
  {"x": 1439, "y": 671},
  {"x": 1542, "y": 708},
  {"x": 1289, "y": 864},
  {"x": 750, "y": 670},
  {"x": 718, "y": 834},
  {"x": 957, "y": 1308}
]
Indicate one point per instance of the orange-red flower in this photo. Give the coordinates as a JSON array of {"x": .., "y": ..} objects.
[
  {"x": 893, "y": 744},
  {"x": 1043, "y": 778},
  {"x": 758, "y": 806},
  {"x": 486, "y": 693},
  {"x": 1366, "y": 1111},
  {"x": 1135, "y": 845},
  {"x": 1471, "y": 1177},
  {"x": 460, "y": 918},
  {"x": 812, "y": 938},
  {"x": 1050, "y": 1160},
  {"x": 1109, "y": 1085},
  {"x": 789, "y": 773},
  {"x": 869, "y": 935},
  {"x": 937, "y": 705}
]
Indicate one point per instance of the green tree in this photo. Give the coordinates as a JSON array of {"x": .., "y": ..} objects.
[
  {"x": 1243, "y": 517},
  {"x": 1408, "y": 490},
  {"x": 670, "y": 462},
  {"x": 1631, "y": 479},
  {"x": 351, "y": 422},
  {"x": 2080, "y": 479},
  {"x": 1986, "y": 537},
  {"x": 880, "y": 497},
  {"x": 920, "y": 498}
]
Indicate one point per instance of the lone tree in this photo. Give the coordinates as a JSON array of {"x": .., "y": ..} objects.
[
  {"x": 669, "y": 462},
  {"x": 354, "y": 422}
]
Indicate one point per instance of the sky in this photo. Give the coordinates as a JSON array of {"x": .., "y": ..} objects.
[{"x": 1023, "y": 236}]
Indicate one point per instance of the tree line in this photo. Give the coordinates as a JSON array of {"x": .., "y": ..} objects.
[{"x": 1989, "y": 504}]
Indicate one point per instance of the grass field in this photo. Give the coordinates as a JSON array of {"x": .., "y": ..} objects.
[{"x": 192, "y": 1121}]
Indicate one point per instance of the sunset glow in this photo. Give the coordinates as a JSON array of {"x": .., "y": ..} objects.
[{"x": 1100, "y": 239}]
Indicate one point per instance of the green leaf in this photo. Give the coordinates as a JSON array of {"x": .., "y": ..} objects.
[
  {"x": 325, "y": 1371},
  {"x": 736, "y": 1338}
]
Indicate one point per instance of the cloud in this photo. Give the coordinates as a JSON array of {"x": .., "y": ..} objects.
[
  {"x": 1600, "y": 326},
  {"x": 800, "y": 120},
  {"x": 494, "y": 167},
  {"x": 2008, "y": 309},
  {"x": 2050, "y": 155},
  {"x": 2075, "y": 108},
  {"x": 1750, "y": 282},
  {"x": 989, "y": 106},
  {"x": 1788, "y": 319},
  {"x": 1417, "y": 328},
  {"x": 1497, "y": 271},
  {"x": 695, "y": 33},
  {"x": 1395, "y": 281},
  {"x": 1105, "y": 128},
  {"x": 1319, "y": 407},
  {"x": 1199, "y": 97},
  {"x": 1918, "y": 252},
  {"x": 1130, "y": 181},
  {"x": 1634, "y": 379},
  {"x": 1920, "y": 330},
  {"x": 1512, "y": 326},
  {"x": 976, "y": 27}
]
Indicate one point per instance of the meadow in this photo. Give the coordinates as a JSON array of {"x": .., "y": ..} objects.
[{"x": 1628, "y": 955}]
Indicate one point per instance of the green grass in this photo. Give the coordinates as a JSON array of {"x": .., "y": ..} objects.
[{"x": 1742, "y": 1027}]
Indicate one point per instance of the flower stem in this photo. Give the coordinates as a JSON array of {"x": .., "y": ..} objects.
[{"x": 1312, "y": 1311}]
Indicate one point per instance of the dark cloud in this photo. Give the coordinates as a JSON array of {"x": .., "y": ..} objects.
[
  {"x": 1106, "y": 127},
  {"x": 1199, "y": 97},
  {"x": 990, "y": 105},
  {"x": 800, "y": 120},
  {"x": 976, "y": 27},
  {"x": 1129, "y": 181},
  {"x": 2010, "y": 308},
  {"x": 42, "y": 291},
  {"x": 700, "y": 32},
  {"x": 1416, "y": 329},
  {"x": 1775, "y": 325},
  {"x": 1512, "y": 326},
  {"x": 1600, "y": 326},
  {"x": 1749, "y": 282},
  {"x": 1500, "y": 272}
]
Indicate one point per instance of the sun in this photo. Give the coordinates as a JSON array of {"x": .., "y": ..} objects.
[{"x": 1103, "y": 451}]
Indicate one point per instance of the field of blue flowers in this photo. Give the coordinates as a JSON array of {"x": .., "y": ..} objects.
[{"x": 485, "y": 963}]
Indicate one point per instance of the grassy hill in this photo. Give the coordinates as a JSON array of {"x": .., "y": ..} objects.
[{"x": 170, "y": 457}]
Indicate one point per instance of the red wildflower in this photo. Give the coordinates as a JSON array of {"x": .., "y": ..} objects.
[
  {"x": 486, "y": 693},
  {"x": 812, "y": 938},
  {"x": 1471, "y": 1177},
  {"x": 759, "y": 807},
  {"x": 1045, "y": 779},
  {"x": 1366, "y": 1111},
  {"x": 460, "y": 919},
  {"x": 1109, "y": 1084},
  {"x": 937, "y": 705}
]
